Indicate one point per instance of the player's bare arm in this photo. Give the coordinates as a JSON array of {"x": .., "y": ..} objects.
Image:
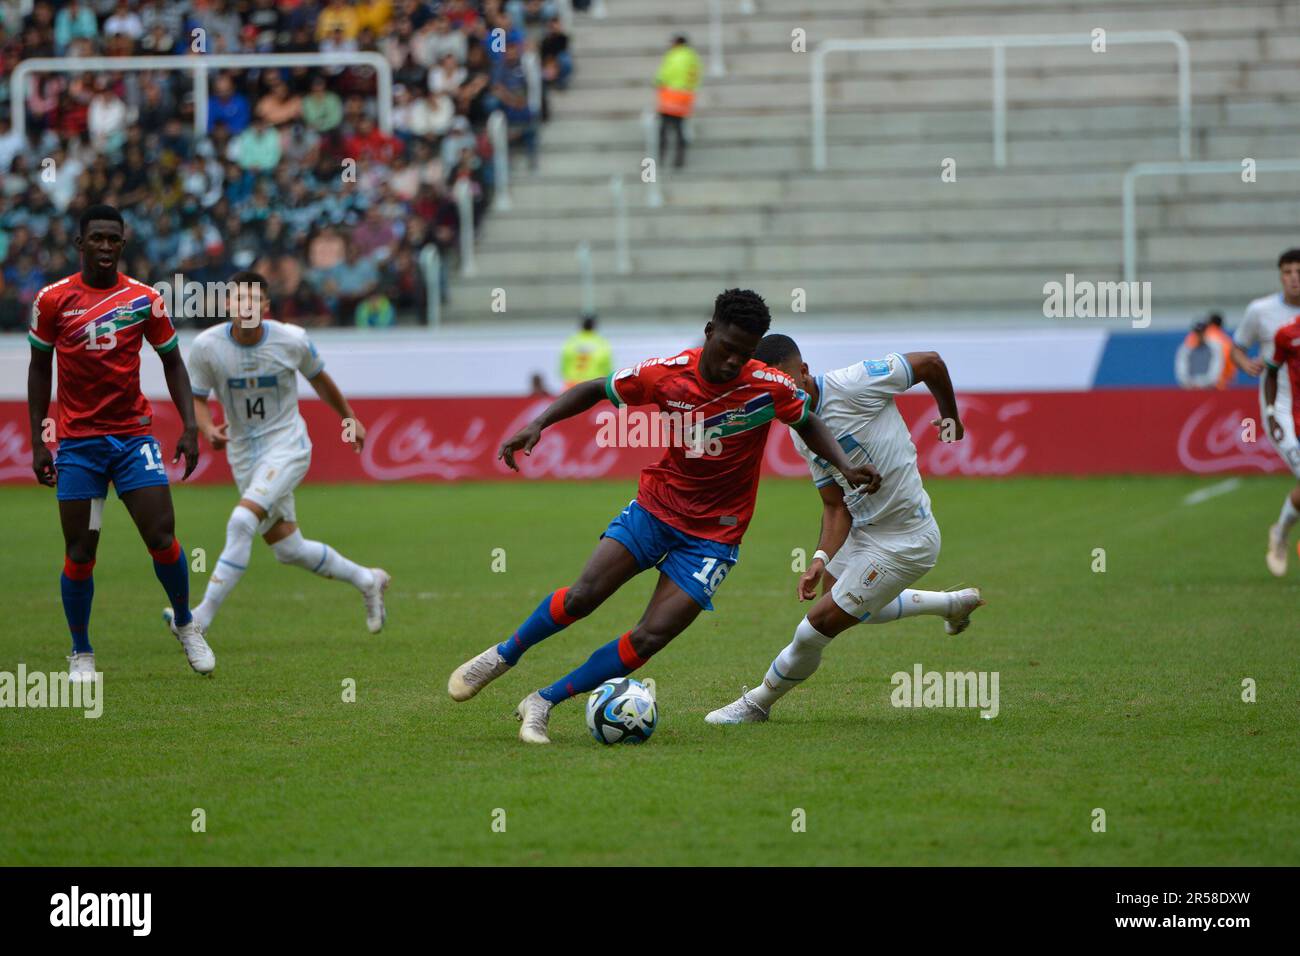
[
  {"x": 40, "y": 377},
  {"x": 330, "y": 394},
  {"x": 575, "y": 401},
  {"x": 1270, "y": 396},
  {"x": 819, "y": 438},
  {"x": 217, "y": 435},
  {"x": 1252, "y": 367},
  {"x": 929, "y": 367},
  {"x": 178, "y": 385},
  {"x": 836, "y": 522}
]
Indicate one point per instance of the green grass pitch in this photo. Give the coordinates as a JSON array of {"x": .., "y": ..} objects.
[{"x": 1119, "y": 690}]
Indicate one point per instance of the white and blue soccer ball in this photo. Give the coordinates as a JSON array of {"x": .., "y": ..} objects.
[{"x": 622, "y": 711}]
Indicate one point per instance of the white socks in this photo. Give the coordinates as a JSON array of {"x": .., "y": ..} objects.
[
  {"x": 910, "y": 603},
  {"x": 1288, "y": 517},
  {"x": 802, "y": 656},
  {"x": 240, "y": 530},
  {"x": 794, "y": 664},
  {"x": 320, "y": 558}
]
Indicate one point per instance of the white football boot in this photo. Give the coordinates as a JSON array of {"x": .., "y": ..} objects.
[
  {"x": 1276, "y": 554},
  {"x": 961, "y": 604},
  {"x": 476, "y": 673},
  {"x": 196, "y": 648},
  {"x": 376, "y": 613},
  {"x": 743, "y": 710},
  {"x": 535, "y": 713},
  {"x": 81, "y": 668}
]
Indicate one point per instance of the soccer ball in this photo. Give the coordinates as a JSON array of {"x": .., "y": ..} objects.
[{"x": 622, "y": 711}]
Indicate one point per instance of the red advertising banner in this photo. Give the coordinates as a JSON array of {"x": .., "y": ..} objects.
[{"x": 1137, "y": 431}]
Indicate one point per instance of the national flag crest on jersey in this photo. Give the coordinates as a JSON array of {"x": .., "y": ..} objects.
[{"x": 116, "y": 320}]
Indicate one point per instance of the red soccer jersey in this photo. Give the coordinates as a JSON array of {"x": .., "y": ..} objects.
[
  {"x": 708, "y": 495},
  {"x": 97, "y": 334},
  {"x": 1286, "y": 356}
]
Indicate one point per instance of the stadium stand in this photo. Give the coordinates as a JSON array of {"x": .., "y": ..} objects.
[
  {"x": 878, "y": 233},
  {"x": 265, "y": 187}
]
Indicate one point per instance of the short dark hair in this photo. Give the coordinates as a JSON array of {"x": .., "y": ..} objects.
[
  {"x": 249, "y": 277},
  {"x": 775, "y": 349},
  {"x": 97, "y": 212},
  {"x": 744, "y": 308},
  {"x": 588, "y": 323},
  {"x": 1286, "y": 258}
]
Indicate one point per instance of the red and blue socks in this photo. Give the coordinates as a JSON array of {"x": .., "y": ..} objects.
[
  {"x": 78, "y": 587},
  {"x": 615, "y": 659},
  {"x": 547, "y": 618},
  {"x": 174, "y": 574}
]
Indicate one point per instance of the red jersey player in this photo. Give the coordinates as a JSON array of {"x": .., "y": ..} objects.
[
  {"x": 691, "y": 508},
  {"x": 97, "y": 320},
  {"x": 1283, "y": 431}
]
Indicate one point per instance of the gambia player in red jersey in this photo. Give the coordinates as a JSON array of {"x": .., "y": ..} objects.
[
  {"x": 691, "y": 508},
  {"x": 97, "y": 320},
  {"x": 1283, "y": 427}
]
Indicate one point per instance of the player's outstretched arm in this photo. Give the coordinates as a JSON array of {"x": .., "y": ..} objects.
[
  {"x": 40, "y": 377},
  {"x": 818, "y": 437},
  {"x": 178, "y": 384},
  {"x": 575, "y": 401},
  {"x": 330, "y": 394},
  {"x": 929, "y": 367}
]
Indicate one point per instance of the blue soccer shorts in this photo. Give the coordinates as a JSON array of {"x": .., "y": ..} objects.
[
  {"x": 696, "y": 565},
  {"x": 85, "y": 466}
]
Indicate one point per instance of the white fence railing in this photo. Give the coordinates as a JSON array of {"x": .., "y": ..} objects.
[
  {"x": 431, "y": 268},
  {"x": 717, "y": 67},
  {"x": 199, "y": 65},
  {"x": 998, "y": 45},
  {"x": 1181, "y": 169},
  {"x": 499, "y": 136}
]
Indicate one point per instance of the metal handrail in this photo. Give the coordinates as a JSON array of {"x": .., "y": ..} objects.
[
  {"x": 1179, "y": 169},
  {"x": 998, "y": 44}
]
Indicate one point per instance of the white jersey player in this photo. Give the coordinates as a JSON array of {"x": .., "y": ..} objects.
[
  {"x": 1258, "y": 327},
  {"x": 872, "y": 547},
  {"x": 251, "y": 366}
]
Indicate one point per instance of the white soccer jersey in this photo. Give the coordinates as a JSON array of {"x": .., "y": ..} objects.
[
  {"x": 1263, "y": 318},
  {"x": 257, "y": 386},
  {"x": 857, "y": 405}
]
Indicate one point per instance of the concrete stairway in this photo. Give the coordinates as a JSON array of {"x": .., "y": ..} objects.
[{"x": 878, "y": 235}]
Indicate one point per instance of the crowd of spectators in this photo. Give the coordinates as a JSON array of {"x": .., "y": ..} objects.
[{"x": 293, "y": 175}]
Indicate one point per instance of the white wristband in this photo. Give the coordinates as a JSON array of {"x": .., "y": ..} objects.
[{"x": 819, "y": 553}]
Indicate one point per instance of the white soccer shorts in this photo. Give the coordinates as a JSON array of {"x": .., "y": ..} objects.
[
  {"x": 269, "y": 482},
  {"x": 1288, "y": 448},
  {"x": 873, "y": 567}
]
